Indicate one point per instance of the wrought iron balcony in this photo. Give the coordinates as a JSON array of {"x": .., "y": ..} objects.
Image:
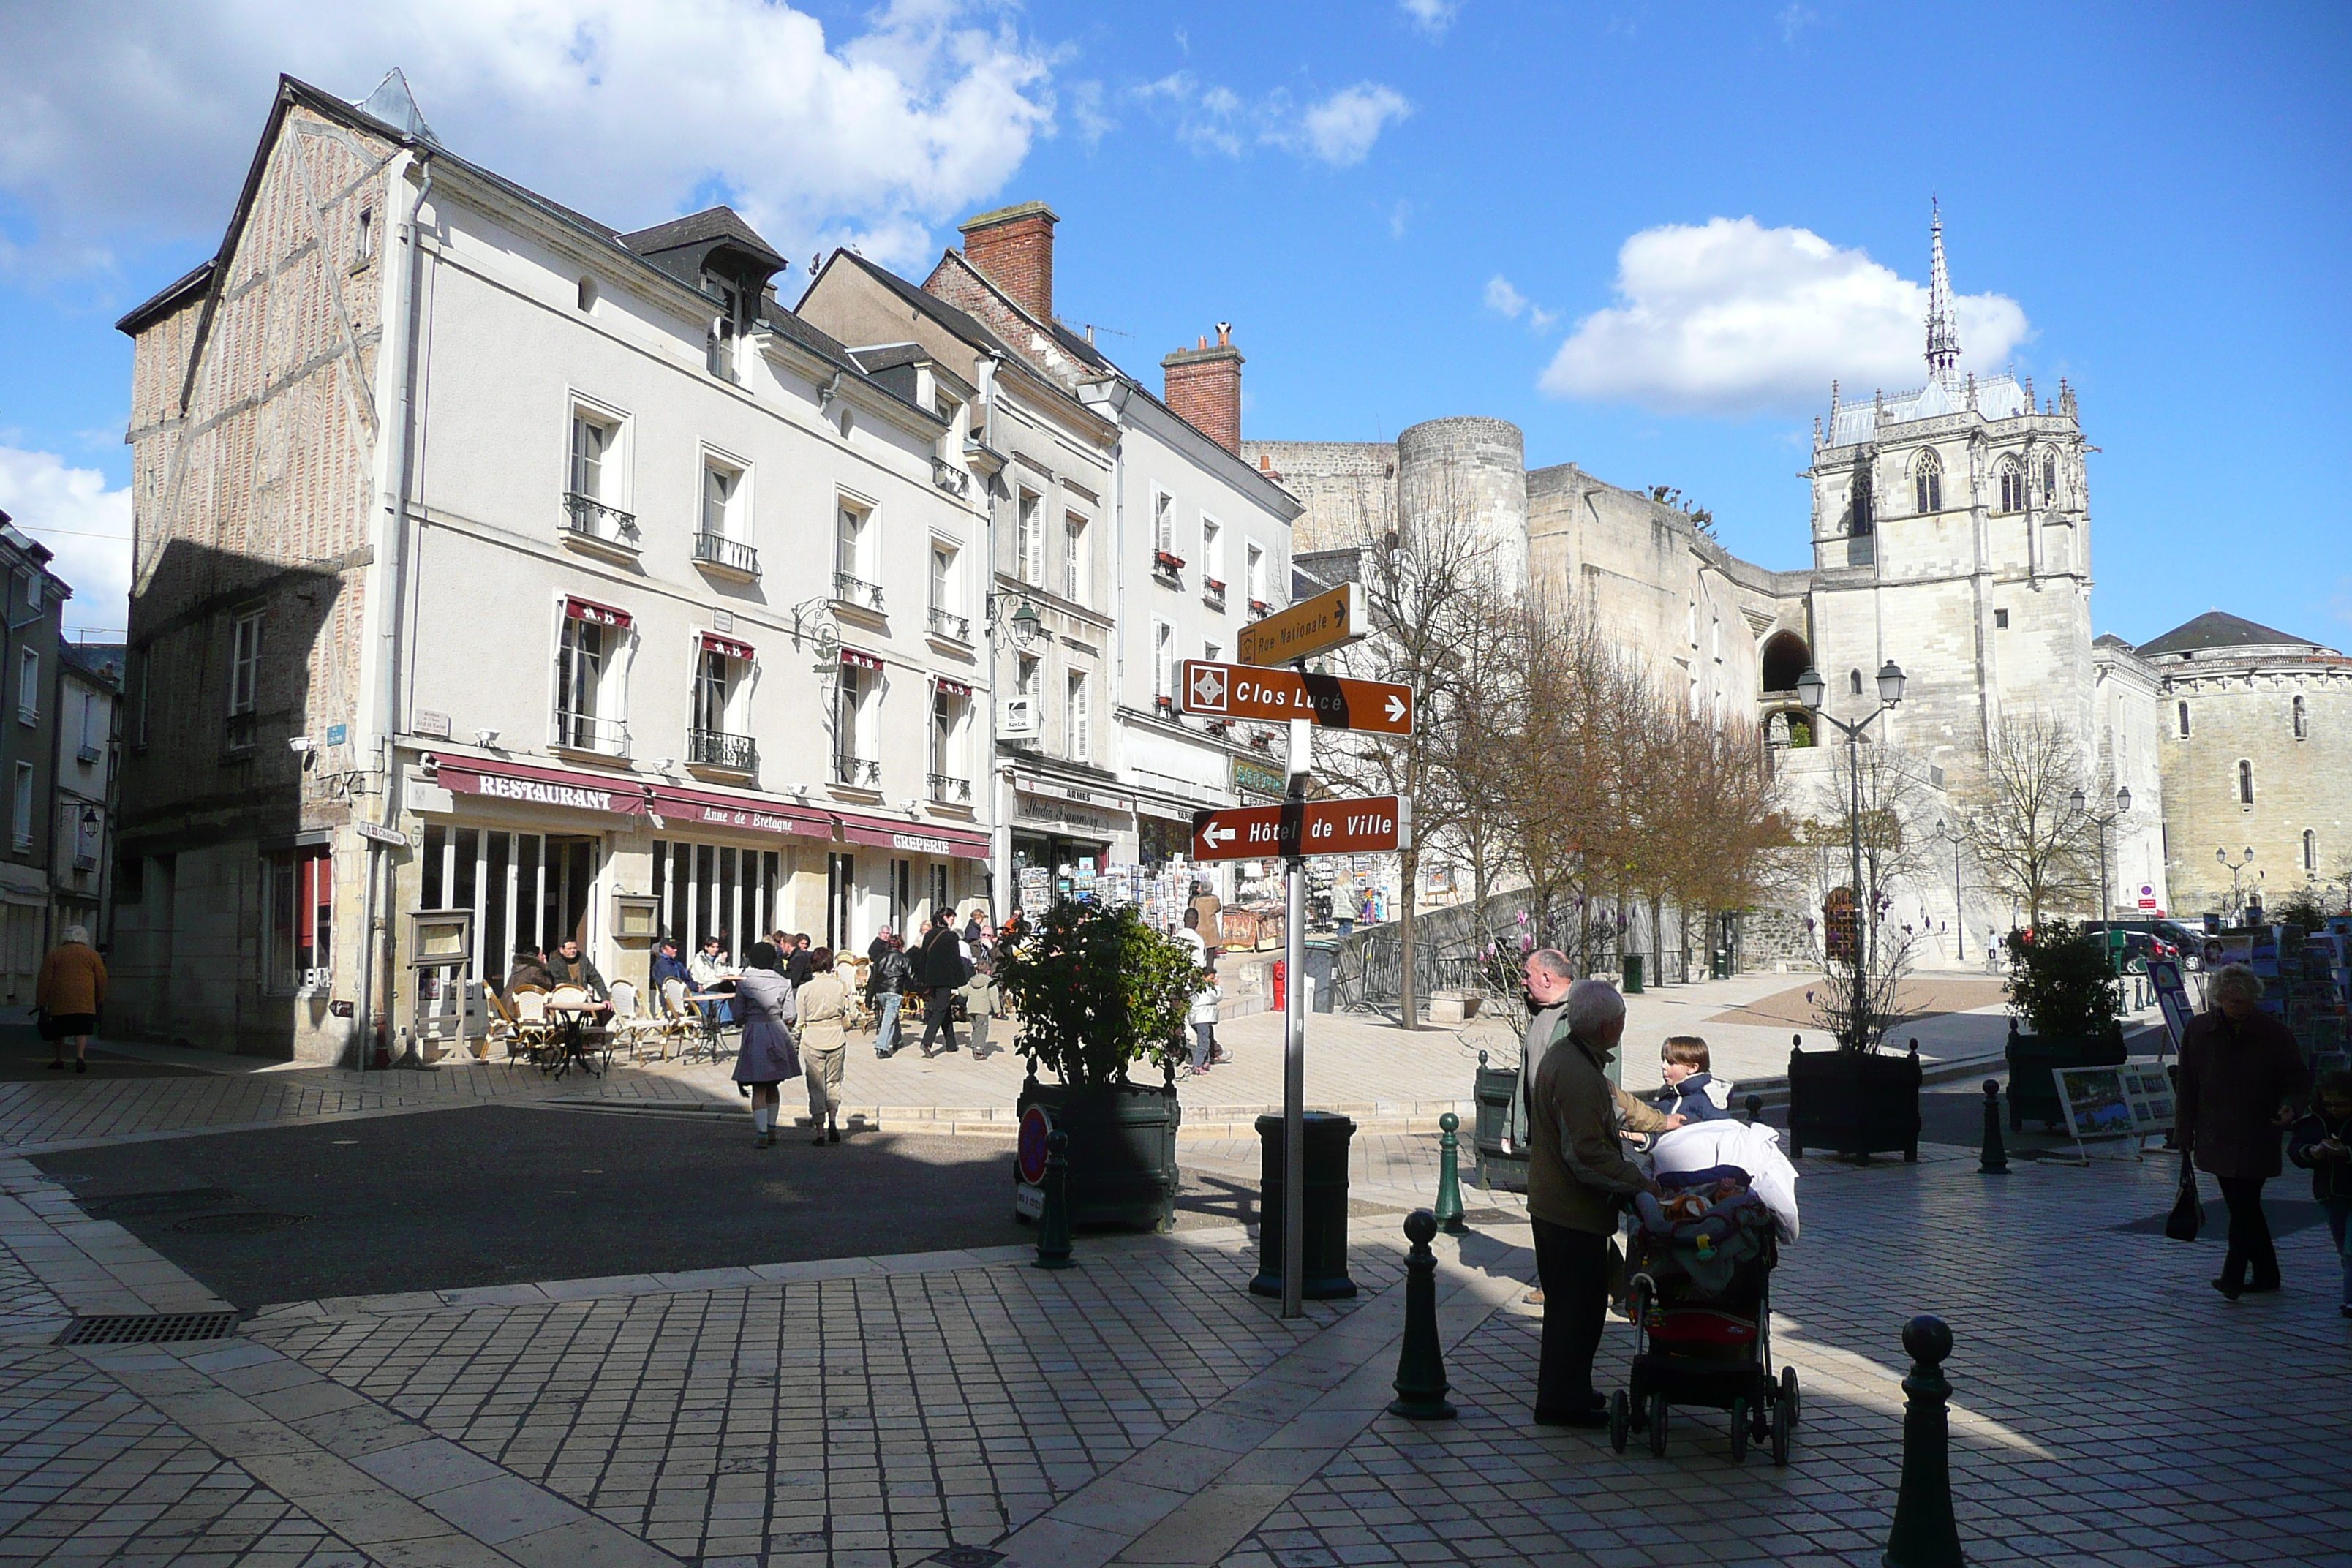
[
  {"x": 856, "y": 593},
  {"x": 1260, "y": 608},
  {"x": 718, "y": 749},
  {"x": 949, "y": 790},
  {"x": 1214, "y": 592},
  {"x": 585, "y": 732},
  {"x": 587, "y": 520},
  {"x": 727, "y": 554},
  {"x": 949, "y": 625},
  {"x": 1168, "y": 567},
  {"x": 951, "y": 478},
  {"x": 856, "y": 773}
]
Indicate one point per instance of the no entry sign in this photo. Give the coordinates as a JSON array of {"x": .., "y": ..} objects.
[
  {"x": 1304, "y": 827},
  {"x": 1248, "y": 691}
]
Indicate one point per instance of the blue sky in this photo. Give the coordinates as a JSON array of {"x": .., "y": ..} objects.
[{"x": 1407, "y": 210}]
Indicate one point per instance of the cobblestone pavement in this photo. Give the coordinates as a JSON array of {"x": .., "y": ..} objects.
[{"x": 1143, "y": 1407}]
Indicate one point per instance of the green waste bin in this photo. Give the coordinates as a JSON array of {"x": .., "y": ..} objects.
[
  {"x": 1632, "y": 974},
  {"x": 1324, "y": 1237}
]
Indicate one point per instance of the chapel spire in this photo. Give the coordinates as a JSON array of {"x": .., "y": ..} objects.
[{"x": 1943, "y": 334}]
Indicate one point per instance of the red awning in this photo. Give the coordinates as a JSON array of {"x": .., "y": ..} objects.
[
  {"x": 915, "y": 838},
  {"x": 601, "y": 614},
  {"x": 862, "y": 660},
  {"x": 952, "y": 687},
  {"x": 727, "y": 647},
  {"x": 622, "y": 796},
  {"x": 706, "y": 808}
]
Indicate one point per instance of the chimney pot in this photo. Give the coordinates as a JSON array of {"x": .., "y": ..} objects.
[
  {"x": 1203, "y": 342},
  {"x": 1013, "y": 246},
  {"x": 1224, "y": 334}
]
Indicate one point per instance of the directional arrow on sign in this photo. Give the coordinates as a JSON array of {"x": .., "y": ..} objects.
[
  {"x": 1303, "y": 828},
  {"x": 1335, "y": 702}
]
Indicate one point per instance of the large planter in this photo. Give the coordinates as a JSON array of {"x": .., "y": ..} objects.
[
  {"x": 1493, "y": 1166},
  {"x": 1856, "y": 1104},
  {"x": 1122, "y": 1150},
  {"x": 2033, "y": 1064}
]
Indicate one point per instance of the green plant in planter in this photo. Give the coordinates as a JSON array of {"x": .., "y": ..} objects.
[
  {"x": 1096, "y": 990},
  {"x": 2063, "y": 983}
]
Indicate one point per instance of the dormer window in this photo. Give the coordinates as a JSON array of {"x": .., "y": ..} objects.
[{"x": 726, "y": 326}]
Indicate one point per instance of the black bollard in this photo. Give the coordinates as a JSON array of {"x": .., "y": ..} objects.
[
  {"x": 1054, "y": 1220},
  {"x": 1995, "y": 1160},
  {"x": 1925, "y": 1534},
  {"x": 1420, "y": 1361},
  {"x": 1449, "y": 1176},
  {"x": 1755, "y": 1108}
]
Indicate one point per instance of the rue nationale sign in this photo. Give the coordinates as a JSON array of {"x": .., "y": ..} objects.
[
  {"x": 1251, "y": 691},
  {"x": 1309, "y": 627},
  {"x": 1304, "y": 827}
]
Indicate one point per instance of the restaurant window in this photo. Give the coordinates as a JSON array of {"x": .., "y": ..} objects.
[
  {"x": 244, "y": 662},
  {"x": 840, "y": 899},
  {"x": 859, "y": 679},
  {"x": 721, "y": 731},
  {"x": 301, "y": 918},
  {"x": 1080, "y": 721},
  {"x": 1074, "y": 559},
  {"x": 588, "y": 685},
  {"x": 525, "y": 889},
  {"x": 28, "y": 687},
  {"x": 716, "y": 889}
]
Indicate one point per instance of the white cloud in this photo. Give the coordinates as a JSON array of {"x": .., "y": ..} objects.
[
  {"x": 1734, "y": 318},
  {"x": 1431, "y": 16},
  {"x": 1339, "y": 130},
  {"x": 1400, "y": 216},
  {"x": 624, "y": 108},
  {"x": 86, "y": 525},
  {"x": 1088, "y": 113},
  {"x": 1508, "y": 302},
  {"x": 1795, "y": 19}
]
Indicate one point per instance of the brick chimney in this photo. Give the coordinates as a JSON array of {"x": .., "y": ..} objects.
[
  {"x": 1205, "y": 387},
  {"x": 1014, "y": 247}
]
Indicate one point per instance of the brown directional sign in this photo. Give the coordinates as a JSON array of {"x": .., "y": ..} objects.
[
  {"x": 1304, "y": 827},
  {"x": 1309, "y": 627},
  {"x": 1252, "y": 691}
]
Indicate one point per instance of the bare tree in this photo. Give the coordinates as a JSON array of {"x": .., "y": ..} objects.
[
  {"x": 2022, "y": 830},
  {"x": 1865, "y": 948}
]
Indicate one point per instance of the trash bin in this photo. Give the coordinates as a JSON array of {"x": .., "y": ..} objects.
[
  {"x": 1281, "y": 984},
  {"x": 1322, "y": 968},
  {"x": 1723, "y": 964},
  {"x": 1632, "y": 974},
  {"x": 1323, "y": 1251}
]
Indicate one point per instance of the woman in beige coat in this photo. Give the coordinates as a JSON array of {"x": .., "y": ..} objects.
[
  {"x": 823, "y": 1004},
  {"x": 69, "y": 992}
]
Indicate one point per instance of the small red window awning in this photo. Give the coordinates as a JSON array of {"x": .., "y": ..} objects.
[
  {"x": 858, "y": 660},
  {"x": 727, "y": 647},
  {"x": 952, "y": 687},
  {"x": 600, "y": 615},
  {"x": 914, "y": 838}
]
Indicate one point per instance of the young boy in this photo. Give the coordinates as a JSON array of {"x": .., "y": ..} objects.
[
  {"x": 2322, "y": 1143},
  {"x": 1684, "y": 1067}
]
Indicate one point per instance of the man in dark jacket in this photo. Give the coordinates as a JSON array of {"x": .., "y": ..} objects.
[
  {"x": 890, "y": 976},
  {"x": 939, "y": 970},
  {"x": 800, "y": 959},
  {"x": 2242, "y": 1079},
  {"x": 573, "y": 967}
]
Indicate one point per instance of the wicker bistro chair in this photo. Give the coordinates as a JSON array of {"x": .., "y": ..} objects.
[
  {"x": 594, "y": 1037},
  {"x": 678, "y": 1024},
  {"x": 502, "y": 1027},
  {"x": 633, "y": 1028},
  {"x": 534, "y": 1031}
]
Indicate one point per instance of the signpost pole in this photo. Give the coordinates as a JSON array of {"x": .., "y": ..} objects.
[{"x": 1294, "y": 1042}]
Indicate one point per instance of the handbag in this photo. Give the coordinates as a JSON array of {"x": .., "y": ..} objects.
[{"x": 2187, "y": 1209}]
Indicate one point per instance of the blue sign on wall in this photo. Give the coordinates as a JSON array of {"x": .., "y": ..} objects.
[{"x": 335, "y": 733}]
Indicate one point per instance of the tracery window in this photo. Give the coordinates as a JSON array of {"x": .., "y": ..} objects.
[
  {"x": 2012, "y": 486},
  {"x": 1927, "y": 484}
]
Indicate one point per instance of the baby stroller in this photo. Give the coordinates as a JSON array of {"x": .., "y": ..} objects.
[{"x": 1700, "y": 1296}]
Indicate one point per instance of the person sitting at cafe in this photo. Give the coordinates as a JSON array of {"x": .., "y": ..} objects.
[
  {"x": 708, "y": 968},
  {"x": 570, "y": 967},
  {"x": 529, "y": 970},
  {"x": 669, "y": 966}
]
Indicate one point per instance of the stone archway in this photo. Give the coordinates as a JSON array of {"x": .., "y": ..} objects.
[{"x": 1784, "y": 656}]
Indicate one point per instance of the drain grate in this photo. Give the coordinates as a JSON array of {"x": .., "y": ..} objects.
[
  {"x": 150, "y": 1329},
  {"x": 966, "y": 1557},
  {"x": 252, "y": 1222},
  {"x": 133, "y": 1205}
]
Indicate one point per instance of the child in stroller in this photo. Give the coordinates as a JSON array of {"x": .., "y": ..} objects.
[{"x": 1700, "y": 1272}]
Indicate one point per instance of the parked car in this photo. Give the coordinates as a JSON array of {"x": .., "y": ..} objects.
[{"x": 2155, "y": 939}]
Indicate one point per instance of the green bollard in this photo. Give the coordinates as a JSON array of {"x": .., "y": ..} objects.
[
  {"x": 1994, "y": 1160},
  {"x": 1420, "y": 1361},
  {"x": 1054, "y": 1221},
  {"x": 1925, "y": 1534},
  {"x": 1449, "y": 1176}
]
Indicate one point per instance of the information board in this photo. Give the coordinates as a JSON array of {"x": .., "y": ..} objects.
[{"x": 2134, "y": 1102}]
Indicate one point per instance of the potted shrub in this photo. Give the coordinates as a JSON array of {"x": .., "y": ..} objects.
[
  {"x": 1859, "y": 1099},
  {"x": 2063, "y": 983},
  {"x": 1099, "y": 992}
]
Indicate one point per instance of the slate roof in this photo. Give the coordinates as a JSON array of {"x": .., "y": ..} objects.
[
  {"x": 2218, "y": 629},
  {"x": 712, "y": 223}
]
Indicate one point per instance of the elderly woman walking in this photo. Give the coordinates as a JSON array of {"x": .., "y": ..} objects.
[
  {"x": 767, "y": 1057},
  {"x": 2242, "y": 1079},
  {"x": 69, "y": 992},
  {"x": 824, "y": 1040}
]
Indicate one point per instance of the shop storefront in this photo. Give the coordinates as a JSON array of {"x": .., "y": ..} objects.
[{"x": 1063, "y": 840}]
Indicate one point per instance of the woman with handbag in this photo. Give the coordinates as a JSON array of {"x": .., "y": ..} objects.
[
  {"x": 69, "y": 992},
  {"x": 2241, "y": 1082},
  {"x": 768, "y": 1056}
]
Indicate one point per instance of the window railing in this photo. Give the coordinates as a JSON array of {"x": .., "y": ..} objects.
[
  {"x": 949, "y": 625},
  {"x": 585, "y": 517},
  {"x": 718, "y": 749},
  {"x": 27, "y": 713},
  {"x": 1162, "y": 704},
  {"x": 857, "y": 592},
  {"x": 733, "y": 554},
  {"x": 856, "y": 773},
  {"x": 238, "y": 733},
  {"x": 1214, "y": 591},
  {"x": 949, "y": 790},
  {"x": 87, "y": 752},
  {"x": 585, "y": 732},
  {"x": 1260, "y": 608},
  {"x": 951, "y": 478},
  {"x": 1167, "y": 565}
]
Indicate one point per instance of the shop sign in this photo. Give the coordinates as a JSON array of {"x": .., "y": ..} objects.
[
  {"x": 756, "y": 821},
  {"x": 1059, "y": 813},
  {"x": 1257, "y": 778},
  {"x": 574, "y": 792}
]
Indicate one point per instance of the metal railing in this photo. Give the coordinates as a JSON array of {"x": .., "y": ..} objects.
[
  {"x": 1214, "y": 591},
  {"x": 949, "y": 625},
  {"x": 733, "y": 554},
  {"x": 857, "y": 773},
  {"x": 588, "y": 517},
  {"x": 718, "y": 749},
  {"x": 949, "y": 790},
  {"x": 585, "y": 732},
  {"x": 856, "y": 591},
  {"x": 951, "y": 478}
]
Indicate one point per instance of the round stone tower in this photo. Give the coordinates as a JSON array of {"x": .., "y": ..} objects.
[{"x": 1472, "y": 470}]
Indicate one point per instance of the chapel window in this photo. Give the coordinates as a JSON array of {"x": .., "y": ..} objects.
[{"x": 1927, "y": 484}]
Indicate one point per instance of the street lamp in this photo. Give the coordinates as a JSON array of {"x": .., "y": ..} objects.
[
  {"x": 1955, "y": 838},
  {"x": 1811, "y": 690},
  {"x": 2237, "y": 874},
  {"x": 2103, "y": 820}
]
